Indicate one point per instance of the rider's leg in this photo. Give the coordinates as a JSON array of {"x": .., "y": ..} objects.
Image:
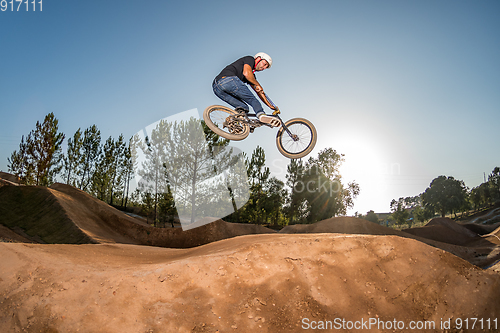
[
  {"x": 236, "y": 93},
  {"x": 221, "y": 88}
]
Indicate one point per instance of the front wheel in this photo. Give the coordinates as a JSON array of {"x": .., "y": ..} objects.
[
  {"x": 226, "y": 122},
  {"x": 299, "y": 140}
]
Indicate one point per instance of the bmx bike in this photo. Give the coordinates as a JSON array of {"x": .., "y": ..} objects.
[{"x": 295, "y": 138}]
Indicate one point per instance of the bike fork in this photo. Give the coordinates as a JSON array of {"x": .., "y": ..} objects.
[{"x": 293, "y": 136}]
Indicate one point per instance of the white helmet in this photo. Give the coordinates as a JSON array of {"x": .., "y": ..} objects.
[{"x": 264, "y": 56}]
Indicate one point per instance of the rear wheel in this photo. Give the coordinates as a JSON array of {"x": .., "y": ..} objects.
[
  {"x": 226, "y": 122},
  {"x": 299, "y": 140}
]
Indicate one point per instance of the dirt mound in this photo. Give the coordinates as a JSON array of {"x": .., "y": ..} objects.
[
  {"x": 10, "y": 178},
  {"x": 101, "y": 222},
  {"x": 7, "y": 235},
  {"x": 66, "y": 215},
  {"x": 480, "y": 251},
  {"x": 493, "y": 236},
  {"x": 440, "y": 233},
  {"x": 36, "y": 214},
  {"x": 344, "y": 225},
  {"x": 445, "y": 230},
  {"x": 480, "y": 229},
  {"x": 452, "y": 225},
  {"x": 496, "y": 232},
  {"x": 6, "y": 179},
  {"x": 341, "y": 268},
  {"x": 97, "y": 217},
  {"x": 255, "y": 283}
]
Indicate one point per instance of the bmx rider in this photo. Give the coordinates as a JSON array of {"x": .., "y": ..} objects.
[{"x": 230, "y": 86}]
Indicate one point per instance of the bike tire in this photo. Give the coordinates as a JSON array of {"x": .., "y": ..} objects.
[
  {"x": 214, "y": 117},
  {"x": 306, "y": 134}
]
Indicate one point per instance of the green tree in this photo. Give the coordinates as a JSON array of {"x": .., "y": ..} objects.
[
  {"x": 399, "y": 211},
  {"x": 102, "y": 177},
  {"x": 166, "y": 208},
  {"x": 258, "y": 173},
  {"x": 147, "y": 205},
  {"x": 371, "y": 216},
  {"x": 422, "y": 214},
  {"x": 90, "y": 155},
  {"x": 128, "y": 173},
  {"x": 195, "y": 166},
  {"x": 258, "y": 176},
  {"x": 275, "y": 199},
  {"x": 494, "y": 184},
  {"x": 185, "y": 159},
  {"x": 45, "y": 150},
  {"x": 295, "y": 201},
  {"x": 237, "y": 186},
  {"x": 39, "y": 159},
  {"x": 73, "y": 158},
  {"x": 19, "y": 164},
  {"x": 116, "y": 168},
  {"x": 153, "y": 180},
  {"x": 481, "y": 195},
  {"x": 325, "y": 194},
  {"x": 445, "y": 194}
]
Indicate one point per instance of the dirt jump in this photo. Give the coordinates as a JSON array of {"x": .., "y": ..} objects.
[{"x": 71, "y": 263}]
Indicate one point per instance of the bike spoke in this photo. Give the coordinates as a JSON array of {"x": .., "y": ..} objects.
[
  {"x": 218, "y": 118},
  {"x": 303, "y": 137},
  {"x": 226, "y": 122}
]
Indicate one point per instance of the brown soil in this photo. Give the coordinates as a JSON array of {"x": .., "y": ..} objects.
[
  {"x": 263, "y": 283},
  {"x": 226, "y": 277},
  {"x": 14, "y": 180},
  {"x": 7, "y": 235},
  {"x": 76, "y": 217}
]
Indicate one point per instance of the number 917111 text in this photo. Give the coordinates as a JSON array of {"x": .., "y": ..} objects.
[{"x": 21, "y": 5}]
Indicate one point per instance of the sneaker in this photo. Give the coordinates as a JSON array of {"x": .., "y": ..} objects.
[
  {"x": 271, "y": 120},
  {"x": 241, "y": 110}
]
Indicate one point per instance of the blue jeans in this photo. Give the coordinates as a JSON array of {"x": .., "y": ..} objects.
[{"x": 234, "y": 92}]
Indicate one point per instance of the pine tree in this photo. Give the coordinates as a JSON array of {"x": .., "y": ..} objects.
[
  {"x": 128, "y": 173},
  {"x": 101, "y": 178},
  {"x": 116, "y": 167},
  {"x": 39, "y": 159},
  {"x": 258, "y": 175},
  {"x": 73, "y": 158},
  {"x": 91, "y": 152},
  {"x": 19, "y": 164},
  {"x": 45, "y": 150},
  {"x": 295, "y": 200}
]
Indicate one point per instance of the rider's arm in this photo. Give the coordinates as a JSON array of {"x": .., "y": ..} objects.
[{"x": 248, "y": 73}]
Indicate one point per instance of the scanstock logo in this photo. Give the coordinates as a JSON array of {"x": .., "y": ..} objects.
[{"x": 206, "y": 177}]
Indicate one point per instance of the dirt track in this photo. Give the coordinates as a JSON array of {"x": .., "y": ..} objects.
[
  {"x": 244, "y": 279},
  {"x": 262, "y": 283}
]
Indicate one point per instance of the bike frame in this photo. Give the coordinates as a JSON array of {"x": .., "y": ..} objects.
[{"x": 276, "y": 113}]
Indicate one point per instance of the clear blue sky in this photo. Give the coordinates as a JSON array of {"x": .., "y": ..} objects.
[{"x": 407, "y": 90}]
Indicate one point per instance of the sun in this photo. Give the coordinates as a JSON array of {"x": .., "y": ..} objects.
[{"x": 367, "y": 163}]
